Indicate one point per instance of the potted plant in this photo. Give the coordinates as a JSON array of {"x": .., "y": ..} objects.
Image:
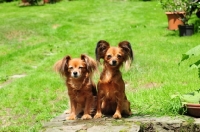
[
  {"x": 192, "y": 100},
  {"x": 193, "y": 53},
  {"x": 182, "y": 11},
  {"x": 190, "y": 103},
  {"x": 173, "y": 13},
  {"x": 188, "y": 7}
]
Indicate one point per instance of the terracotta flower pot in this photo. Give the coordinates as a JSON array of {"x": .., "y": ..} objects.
[
  {"x": 46, "y": 1},
  {"x": 193, "y": 109},
  {"x": 174, "y": 19}
]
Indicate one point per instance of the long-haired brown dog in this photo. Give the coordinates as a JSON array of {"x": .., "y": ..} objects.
[
  {"x": 81, "y": 89},
  {"x": 111, "y": 98}
]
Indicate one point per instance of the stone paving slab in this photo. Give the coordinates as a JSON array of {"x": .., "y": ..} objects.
[{"x": 131, "y": 124}]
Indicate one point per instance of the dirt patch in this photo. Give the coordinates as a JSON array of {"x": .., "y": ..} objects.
[
  {"x": 17, "y": 76},
  {"x": 17, "y": 34},
  {"x": 150, "y": 85},
  {"x": 55, "y": 26},
  {"x": 146, "y": 86},
  {"x": 11, "y": 78}
]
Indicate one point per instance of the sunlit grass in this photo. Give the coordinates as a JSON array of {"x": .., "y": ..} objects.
[{"x": 33, "y": 38}]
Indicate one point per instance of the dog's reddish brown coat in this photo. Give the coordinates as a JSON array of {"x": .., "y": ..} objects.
[
  {"x": 111, "y": 87},
  {"x": 81, "y": 89}
]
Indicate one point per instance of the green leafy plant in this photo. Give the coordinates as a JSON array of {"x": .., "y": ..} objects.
[
  {"x": 187, "y": 7},
  {"x": 181, "y": 100},
  {"x": 192, "y": 53},
  {"x": 170, "y": 5},
  {"x": 193, "y": 97}
]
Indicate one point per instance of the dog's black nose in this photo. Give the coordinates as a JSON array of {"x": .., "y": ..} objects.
[
  {"x": 75, "y": 73},
  {"x": 114, "y": 62}
]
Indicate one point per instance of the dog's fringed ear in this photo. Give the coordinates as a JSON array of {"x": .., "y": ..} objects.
[
  {"x": 126, "y": 47},
  {"x": 62, "y": 65},
  {"x": 91, "y": 63},
  {"x": 101, "y": 48}
]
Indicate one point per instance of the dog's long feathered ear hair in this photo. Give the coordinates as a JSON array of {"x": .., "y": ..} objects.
[
  {"x": 101, "y": 48},
  {"x": 62, "y": 65},
  {"x": 91, "y": 63},
  {"x": 128, "y": 52}
]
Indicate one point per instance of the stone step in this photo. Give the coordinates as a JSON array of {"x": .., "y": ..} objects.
[{"x": 130, "y": 124}]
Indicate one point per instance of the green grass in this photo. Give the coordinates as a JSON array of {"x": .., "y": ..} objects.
[{"x": 33, "y": 38}]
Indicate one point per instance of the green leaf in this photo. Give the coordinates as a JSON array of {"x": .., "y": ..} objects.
[
  {"x": 190, "y": 98},
  {"x": 196, "y": 64},
  {"x": 194, "y": 51},
  {"x": 199, "y": 72},
  {"x": 184, "y": 57}
]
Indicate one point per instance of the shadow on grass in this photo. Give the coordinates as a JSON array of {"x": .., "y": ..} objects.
[{"x": 173, "y": 33}]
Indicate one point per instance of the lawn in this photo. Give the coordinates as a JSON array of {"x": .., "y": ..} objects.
[{"x": 33, "y": 38}]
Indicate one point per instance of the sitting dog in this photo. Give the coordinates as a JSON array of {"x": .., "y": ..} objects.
[
  {"x": 111, "y": 98},
  {"x": 81, "y": 89}
]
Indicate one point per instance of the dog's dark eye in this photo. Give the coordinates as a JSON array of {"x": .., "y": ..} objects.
[
  {"x": 109, "y": 56},
  {"x": 119, "y": 56},
  {"x": 80, "y": 67},
  {"x": 71, "y": 68}
]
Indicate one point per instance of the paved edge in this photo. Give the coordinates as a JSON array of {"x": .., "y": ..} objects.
[{"x": 131, "y": 124}]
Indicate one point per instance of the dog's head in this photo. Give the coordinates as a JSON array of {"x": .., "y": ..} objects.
[
  {"x": 114, "y": 56},
  {"x": 77, "y": 67}
]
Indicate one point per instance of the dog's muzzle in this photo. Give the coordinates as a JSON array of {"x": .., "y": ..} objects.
[
  {"x": 75, "y": 74},
  {"x": 114, "y": 63}
]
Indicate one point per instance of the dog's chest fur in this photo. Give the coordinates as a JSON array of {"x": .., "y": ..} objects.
[
  {"x": 111, "y": 83},
  {"x": 109, "y": 76},
  {"x": 77, "y": 89}
]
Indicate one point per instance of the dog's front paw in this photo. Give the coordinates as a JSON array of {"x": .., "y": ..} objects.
[
  {"x": 71, "y": 117},
  {"x": 117, "y": 116},
  {"x": 86, "y": 117},
  {"x": 98, "y": 115},
  {"x": 67, "y": 111}
]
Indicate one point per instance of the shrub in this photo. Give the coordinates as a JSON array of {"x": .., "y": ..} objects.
[{"x": 191, "y": 53}]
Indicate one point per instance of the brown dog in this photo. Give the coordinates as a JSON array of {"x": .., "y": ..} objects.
[
  {"x": 81, "y": 89},
  {"x": 111, "y": 98}
]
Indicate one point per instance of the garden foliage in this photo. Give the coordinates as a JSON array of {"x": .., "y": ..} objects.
[{"x": 191, "y": 53}]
